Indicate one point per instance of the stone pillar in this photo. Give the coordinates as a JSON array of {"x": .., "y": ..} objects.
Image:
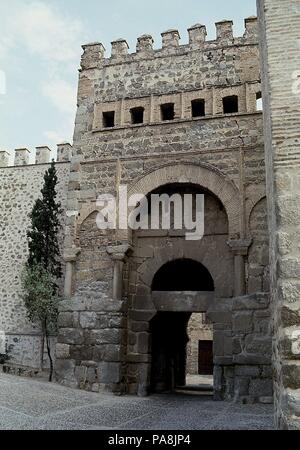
[
  {"x": 239, "y": 249},
  {"x": 70, "y": 258},
  {"x": 118, "y": 255},
  {"x": 42, "y": 155},
  {"x": 279, "y": 25}
]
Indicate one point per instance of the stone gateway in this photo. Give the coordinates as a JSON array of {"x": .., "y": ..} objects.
[{"x": 141, "y": 306}]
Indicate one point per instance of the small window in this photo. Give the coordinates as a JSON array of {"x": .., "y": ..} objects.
[
  {"x": 198, "y": 108},
  {"x": 259, "y": 104},
  {"x": 109, "y": 119},
  {"x": 167, "y": 111},
  {"x": 231, "y": 104},
  {"x": 137, "y": 115}
]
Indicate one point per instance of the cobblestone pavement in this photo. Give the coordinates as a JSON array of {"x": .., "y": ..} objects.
[{"x": 30, "y": 404}]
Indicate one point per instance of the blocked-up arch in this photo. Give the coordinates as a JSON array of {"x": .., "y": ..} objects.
[{"x": 205, "y": 176}]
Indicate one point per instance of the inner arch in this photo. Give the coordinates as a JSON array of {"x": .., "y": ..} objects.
[{"x": 183, "y": 275}]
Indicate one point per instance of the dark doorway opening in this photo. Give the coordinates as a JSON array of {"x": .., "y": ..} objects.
[
  {"x": 169, "y": 344},
  {"x": 205, "y": 358},
  {"x": 169, "y": 330}
]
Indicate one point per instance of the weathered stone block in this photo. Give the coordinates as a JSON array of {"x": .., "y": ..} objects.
[
  {"x": 88, "y": 320},
  {"x": 108, "y": 352},
  {"x": 259, "y": 345},
  {"x": 74, "y": 304},
  {"x": 241, "y": 386},
  {"x": 65, "y": 370},
  {"x": 236, "y": 346},
  {"x": 242, "y": 322},
  {"x": 261, "y": 388},
  {"x": 109, "y": 372},
  {"x": 139, "y": 326},
  {"x": 247, "y": 371},
  {"x": 70, "y": 336},
  {"x": 220, "y": 317},
  {"x": 81, "y": 352},
  {"x": 62, "y": 351},
  {"x": 255, "y": 301},
  {"x": 249, "y": 359},
  {"x": 65, "y": 320},
  {"x": 291, "y": 375},
  {"x": 143, "y": 342},
  {"x": 109, "y": 336}
]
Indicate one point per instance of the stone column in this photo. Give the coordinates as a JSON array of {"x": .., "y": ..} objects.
[
  {"x": 239, "y": 249},
  {"x": 118, "y": 255},
  {"x": 279, "y": 24},
  {"x": 70, "y": 259}
]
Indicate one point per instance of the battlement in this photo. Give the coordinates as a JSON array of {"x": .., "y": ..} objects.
[
  {"x": 94, "y": 53},
  {"x": 42, "y": 155}
]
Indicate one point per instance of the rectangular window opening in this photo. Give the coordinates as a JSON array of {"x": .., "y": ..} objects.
[
  {"x": 109, "y": 119},
  {"x": 167, "y": 111},
  {"x": 259, "y": 103},
  {"x": 198, "y": 108},
  {"x": 231, "y": 104},
  {"x": 137, "y": 115}
]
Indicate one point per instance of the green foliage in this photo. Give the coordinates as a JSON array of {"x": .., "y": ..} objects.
[
  {"x": 45, "y": 226},
  {"x": 40, "y": 296},
  {"x": 43, "y": 268}
]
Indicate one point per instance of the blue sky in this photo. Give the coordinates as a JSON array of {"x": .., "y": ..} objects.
[{"x": 40, "y": 49}]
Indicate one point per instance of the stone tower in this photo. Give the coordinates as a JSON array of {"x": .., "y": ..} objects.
[{"x": 180, "y": 119}]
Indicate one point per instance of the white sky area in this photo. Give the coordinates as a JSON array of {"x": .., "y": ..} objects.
[{"x": 40, "y": 50}]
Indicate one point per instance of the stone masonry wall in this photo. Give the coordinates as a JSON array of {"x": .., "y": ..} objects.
[
  {"x": 220, "y": 146},
  {"x": 198, "y": 330},
  {"x": 19, "y": 188},
  {"x": 91, "y": 342},
  {"x": 280, "y": 57},
  {"x": 242, "y": 347}
]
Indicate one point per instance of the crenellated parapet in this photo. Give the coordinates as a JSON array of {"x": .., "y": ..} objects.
[
  {"x": 22, "y": 156},
  {"x": 64, "y": 152},
  {"x": 94, "y": 53},
  {"x": 4, "y": 158},
  {"x": 42, "y": 155}
]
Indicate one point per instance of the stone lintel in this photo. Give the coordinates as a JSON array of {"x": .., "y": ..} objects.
[{"x": 183, "y": 301}]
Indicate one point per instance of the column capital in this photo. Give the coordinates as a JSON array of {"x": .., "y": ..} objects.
[
  {"x": 71, "y": 254},
  {"x": 119, "y": 252},
  {"x": 239, "y": 246}
]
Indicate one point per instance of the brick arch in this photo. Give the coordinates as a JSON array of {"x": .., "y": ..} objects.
[
  {"x": 202, "y": 175},
  {"x": 85, "y": 213},
  {"x": 254, "y": 194}
]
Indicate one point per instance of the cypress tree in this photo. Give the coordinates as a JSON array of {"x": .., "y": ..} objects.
[{"x": 45, "y": 225}]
